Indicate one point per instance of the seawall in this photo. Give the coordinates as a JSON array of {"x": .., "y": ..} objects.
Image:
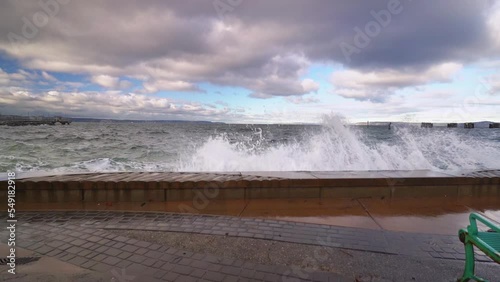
[{"x": 185, "y": 186}]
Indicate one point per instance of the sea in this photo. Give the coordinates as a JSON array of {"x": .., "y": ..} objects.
[{"x": 332, "y": 145}]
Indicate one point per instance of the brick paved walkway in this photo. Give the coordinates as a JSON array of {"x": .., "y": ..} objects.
[{"x": 82, "y": 238}]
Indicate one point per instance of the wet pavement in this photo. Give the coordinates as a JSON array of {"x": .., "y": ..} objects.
[
  {"x": 425, "y": 215},
  {"x": 84, "y": 239}
]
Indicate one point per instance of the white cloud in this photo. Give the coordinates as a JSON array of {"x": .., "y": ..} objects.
[
  {"x": 111, "y": 104},
  {"x": 300, "y": 100},
  {"x": 111, "y": 82},
  {"x": 494, "y": 25},
  {"x": 158, "y": 85},
  {"x": 105, "y": 81},
  {"x": 4, "y": 78},
  {"x": 492, "y": 83},
  {"x": 125, "y": 84},
  {"x": 48, "y": 77},
  {"x": 309, "y": 85},
  {"x": 377, "y": 85}
]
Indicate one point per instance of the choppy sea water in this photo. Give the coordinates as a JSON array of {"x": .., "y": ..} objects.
[{"x": 332, "y": 146}]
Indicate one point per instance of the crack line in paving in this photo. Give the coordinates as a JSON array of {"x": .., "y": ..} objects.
[
  {"x": 368, "y": 212},
  {"x": 244, "y": 208}
]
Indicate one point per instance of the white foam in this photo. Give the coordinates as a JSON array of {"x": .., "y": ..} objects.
[{"x": 338, "y": 147}]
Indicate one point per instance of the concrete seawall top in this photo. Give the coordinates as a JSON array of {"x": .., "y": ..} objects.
[
  {"x": 190, "y": 186},
  {"x": 265, "y": 179}
]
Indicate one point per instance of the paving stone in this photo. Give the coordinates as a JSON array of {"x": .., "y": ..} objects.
[
  {"x": 169, "y": 251},
  {"x": 186, "y": 279},
  {"x": 99, "y": 257},
  {"x": 130, "y": 248},
  {"x": 118, "y": 245},
  {"x": 101, "y": 267},
  {"x": 230, "y": 278},
  {"x": 55, "y": 244},
  {"x": 247, "y": 273},
  {"x": 230, "y": 270},
  {"x": 170, "y": 276},
  {"x": 182, "y": 269},
  {"x": 104, "y": 241},
  {"x": 271, "y": 277},
  {"x": 213, "y": 276},
  {"x": 141, "y": 251},
  {"x": 78, "y": 242},
  {"x": 63, "y": 247},
  {"x": 200, "y": 264},
  {"x": 110, "y": 236},
  {"x": 123, "y": 264},
  {"x": 121, "y": 239},
  {"x": 78, "y": 260},
  {"x": 149, "y": 262},
  {"x": 153, "y": 254},
  {"x": 44, "y": 250},
  {"x": 112, "y": 252},
  {"x": 102, "y": 249},
  {"x": 185, "y": 261},
  {"x": 91, "y": 255},
  {"x": 137, "y": 258},
  {"x": 94, "y": 239},
  {"x": 159, "y": 273},
  {"x": 74, "y": 250},
  {"x": 66, "y": 257},
  {"x": 88, "y": 245},
  {"x": 142, "y": 244},
  {"x": 198, "y": 273},
  {"x": 158, "y": 264},
  {"x": 167, "y": 266},
  {"x": 258, "y": 275},
  {"x": 54, "y": 253},
  {"x": 154, "y": 246},
  {"x": 88, "y": 264},
  {"x": 167, "y": 257},
  {"x": 84, "y": 252},
  {"x": 111, "y": 260},
  {"x": 131, "y": 241}
]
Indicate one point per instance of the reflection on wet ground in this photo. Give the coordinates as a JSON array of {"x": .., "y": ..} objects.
[{"x": 424, "y": 215}]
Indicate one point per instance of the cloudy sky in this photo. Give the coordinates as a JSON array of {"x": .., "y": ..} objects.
[{"x": 252, "y": 60}]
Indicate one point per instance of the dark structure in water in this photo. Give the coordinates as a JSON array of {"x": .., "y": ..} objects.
[
  {"x": 427, "y": 125},
  {"x": 32, "y": 120},
  {"x": 495, "y": 125},
  {"x": 469, "y": 125},
  {"x": 452, "y": 125}
]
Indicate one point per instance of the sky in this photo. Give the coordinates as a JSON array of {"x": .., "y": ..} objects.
[{"x": 252, "y": 61}]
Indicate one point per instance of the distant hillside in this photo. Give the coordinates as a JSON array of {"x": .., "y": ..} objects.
[{"x": 139, "y": 121}]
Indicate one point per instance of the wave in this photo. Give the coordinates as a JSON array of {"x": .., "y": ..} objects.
[
  {"x": 338, "y": 147},
  {"x": 332, "y": 146}
]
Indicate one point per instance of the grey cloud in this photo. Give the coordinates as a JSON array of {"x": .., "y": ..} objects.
[
  {"x": 264, "y": 46},
  {"x": 112, "y": 104}
]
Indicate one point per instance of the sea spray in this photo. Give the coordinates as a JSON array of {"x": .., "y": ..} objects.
[
  {"x": 332, "y": 145},
  {"x": 340, "y": 147}
]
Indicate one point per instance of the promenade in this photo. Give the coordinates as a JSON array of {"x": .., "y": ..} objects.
[
  {"x": 97, "y": 243},
  {"x": 255, "y": 226}
]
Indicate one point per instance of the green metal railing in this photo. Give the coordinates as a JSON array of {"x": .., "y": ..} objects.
[{"x": 486, "y": 241}]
